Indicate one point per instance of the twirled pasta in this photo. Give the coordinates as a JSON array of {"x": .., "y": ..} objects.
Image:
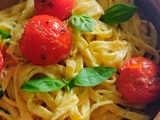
[{"x": 107, "y": 45}]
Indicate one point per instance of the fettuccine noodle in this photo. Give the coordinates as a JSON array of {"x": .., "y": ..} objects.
[{"x": 107, "y": 45}]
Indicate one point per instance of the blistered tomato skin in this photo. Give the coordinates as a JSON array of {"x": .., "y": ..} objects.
[
  {"x": 46, "y": 40},
  {"x": 139, "y": 81},
  {"x": 57, "y": 8}
]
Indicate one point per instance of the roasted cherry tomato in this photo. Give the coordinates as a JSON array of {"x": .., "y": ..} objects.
[
  {"x": 57, "y": 8},
  {"x": 139, "y": 80},
  {"x": 46, "y": 40}
]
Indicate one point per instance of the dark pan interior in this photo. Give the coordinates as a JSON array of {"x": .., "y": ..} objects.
[{"x": 150, "y": 9}]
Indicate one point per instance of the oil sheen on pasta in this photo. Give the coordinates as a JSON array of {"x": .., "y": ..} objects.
[{"x": 106, "y": 45}]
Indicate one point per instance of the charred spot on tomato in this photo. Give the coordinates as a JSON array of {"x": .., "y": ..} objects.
[
  {"x": 33, "y": 24},
  {"x": 48, "y": 21},
  {"x": 43, "y": 56},
  {"x": 155, "y": 79},
  {"x": 50, "y": 4},
  {"x": 63, "y": 29},
  {"x": 58, "y": 8},
  {"x": 42, "y": 1}
]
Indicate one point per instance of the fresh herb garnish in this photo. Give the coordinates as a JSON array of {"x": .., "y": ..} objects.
[
  {"x": 118, "y": 13},
  {"x": 90, "y": 76},
  {"x": 82, "y": 22},
  {"x": 4, "y": 34},
  {"x": 42, "y": 85}
]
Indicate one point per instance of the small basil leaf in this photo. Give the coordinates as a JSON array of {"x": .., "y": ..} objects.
[
  {"x": 4, "y": 34},
  {"x": 67, "y": 84},
  {"x": 92, "y": 76},
  {"x": 118, "y": 13},
  {"x": 82, "y": 22},
  {"x": 42, "y": 85}
]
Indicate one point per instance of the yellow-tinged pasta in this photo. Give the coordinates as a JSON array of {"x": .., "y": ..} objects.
[{"x": 107, "y": 45}]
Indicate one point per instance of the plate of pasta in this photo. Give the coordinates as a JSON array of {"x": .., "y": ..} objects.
[{"x": 78, "y": 60}]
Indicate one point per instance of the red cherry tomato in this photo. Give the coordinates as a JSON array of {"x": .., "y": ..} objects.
[
  {"x": 1, "y": 59},
  {"x": 139, "y": 80},
  {"x": 46, "y": 40},
  {"x": 57, "y": 8}
]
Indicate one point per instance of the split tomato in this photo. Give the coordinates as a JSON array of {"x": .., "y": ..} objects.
[
  {"x": 57, "y": 8},
  {"x": 139, "y": 80},
  {"x": 46, "y": 40}
]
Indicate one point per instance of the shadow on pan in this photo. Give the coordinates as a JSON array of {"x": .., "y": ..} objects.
[{"x": 150, "y": 9}]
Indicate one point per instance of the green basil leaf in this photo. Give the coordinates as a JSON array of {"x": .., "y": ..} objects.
[
  {"x": 67, "y": 84},
  {"x": 82, "y": 22},
  {"x": 4, "y": 34},
  {"x": 118, "y": 13},
  {"x": 42, "y": 85},
  {"x": 92, "y": 76}
]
